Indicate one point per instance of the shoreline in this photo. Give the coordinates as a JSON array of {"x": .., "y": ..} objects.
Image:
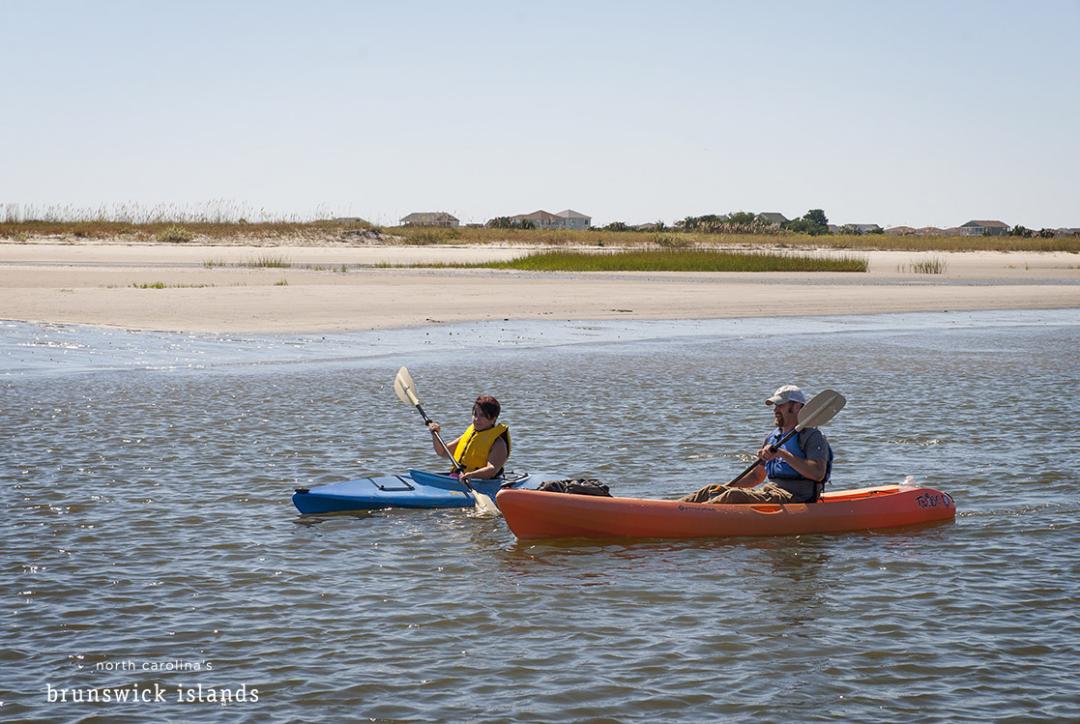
[{"x": 217, "y": 289}]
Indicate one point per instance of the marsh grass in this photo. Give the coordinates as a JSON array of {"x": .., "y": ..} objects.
[
  {"x": 267, "y": 261},
  {"x": 934, "y": 265},
  {"x": 163, "y": 285},
  {"x": 171, "y": 234},
  {"x": 223, "y": 221},
  {"x": 682, "y": 239},
  {"x": 650, "y": 260},
  {"x": 283, "y": 282}
]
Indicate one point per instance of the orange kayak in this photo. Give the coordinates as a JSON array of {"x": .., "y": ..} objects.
[{"x": 533, "y": 514}]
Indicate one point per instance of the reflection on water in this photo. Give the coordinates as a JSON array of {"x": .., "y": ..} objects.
[{"x": 149, "y": 521}]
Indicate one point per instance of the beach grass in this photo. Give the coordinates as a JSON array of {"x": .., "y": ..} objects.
[
  {"x": 207, "y": 232},
  {"x": 267, "y": 261},
  {"x": 174, "y": 234},
  {"x": 429, "y": 236},
  {"x": 934, "y": 265},
  {"x": 656, "y": 260},
  {"x": 217, "y": 227}
]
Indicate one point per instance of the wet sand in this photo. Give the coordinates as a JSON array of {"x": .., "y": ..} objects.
[{"x": 206, "y": 289}]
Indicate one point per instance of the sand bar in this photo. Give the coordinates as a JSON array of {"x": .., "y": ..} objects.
[{"x": 208, "y": 290}]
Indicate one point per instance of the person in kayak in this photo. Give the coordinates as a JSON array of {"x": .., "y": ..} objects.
[
  {"x": 796, "y": 472},
  {"x": 484, "y": 447}
]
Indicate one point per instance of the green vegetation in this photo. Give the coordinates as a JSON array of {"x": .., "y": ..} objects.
[
  {"x": 163, "y": 285},
  {"x": 742, "y": 231},
  {"x": 266, "y": 261},
  {"x": 172, "y": 234},
  {"x": 935, "y": 265},
  {"x": 782, "y": 239},
  {"x": 664, "y": 260},
  {"x": 283, "y": 282},
  {"x": 813, "y": 222}
]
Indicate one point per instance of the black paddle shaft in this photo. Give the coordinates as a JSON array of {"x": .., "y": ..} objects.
[
  {"x": 427, "y": 420},
  {"x": 457, "y": 465},
  {"x": 759, "y": 461}
]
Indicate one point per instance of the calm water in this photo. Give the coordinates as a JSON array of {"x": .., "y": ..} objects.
[{"x": 149, "y": 526}]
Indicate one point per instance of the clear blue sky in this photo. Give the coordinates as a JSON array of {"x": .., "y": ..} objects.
[{"x": 894, "y": 113}]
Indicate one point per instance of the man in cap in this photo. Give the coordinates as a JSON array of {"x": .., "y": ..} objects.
[{"x": 797, "y": 471}]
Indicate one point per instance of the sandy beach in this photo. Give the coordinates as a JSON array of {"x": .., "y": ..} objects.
[{"x": 216, "y": 288}]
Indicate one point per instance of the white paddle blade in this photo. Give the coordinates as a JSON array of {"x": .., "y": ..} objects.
[
  {"x": 403, "y": 386},
  {"x": 485, "y": 506},
  {"x": 821, "y": 409}
]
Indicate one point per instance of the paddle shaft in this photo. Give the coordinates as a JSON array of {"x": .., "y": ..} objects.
[
  {"x": 759, "y": 461},
  {"x": 457, "y": 465}
]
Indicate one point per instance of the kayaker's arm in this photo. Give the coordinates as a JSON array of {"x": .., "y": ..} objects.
[
  {"x": 496, "y": 460},
  {"x": 809, "y": 469},
  {"x": 439, "y": 449},
  {"x": 754, "y": 477}
]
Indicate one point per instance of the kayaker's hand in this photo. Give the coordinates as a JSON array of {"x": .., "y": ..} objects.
[
  {"x": 766, "y": 453},
  {"x": 434, "y": 427}
]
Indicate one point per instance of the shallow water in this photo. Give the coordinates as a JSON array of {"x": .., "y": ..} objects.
[{"x": 150, "y": 525}]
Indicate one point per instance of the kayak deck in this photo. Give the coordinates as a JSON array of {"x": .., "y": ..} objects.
[
  {"x": 417, "y": 489},
  {"x": 533, "y": 514}
]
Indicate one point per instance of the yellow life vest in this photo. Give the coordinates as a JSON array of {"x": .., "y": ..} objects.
[{"x": 473, "y": 448}]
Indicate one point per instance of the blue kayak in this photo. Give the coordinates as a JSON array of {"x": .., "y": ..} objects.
[{"x": 415, "y": 490}]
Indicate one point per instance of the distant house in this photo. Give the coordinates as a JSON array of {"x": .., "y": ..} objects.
[
  {"x": 773, "y": 218},
  {"x": 984, "y": 228},
  {"x": 429, "y": 218},
  {"x": 574, "y": 220},
  {"x": 540, "y": 219},
  {"x": 568, "y": 219}
]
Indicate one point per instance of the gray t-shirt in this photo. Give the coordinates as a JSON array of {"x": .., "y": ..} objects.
[{"x": 814, "y": 444}]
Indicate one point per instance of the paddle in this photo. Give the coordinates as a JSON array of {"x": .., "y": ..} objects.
[
  {"x": 406, "y": 392},
  {"x": 815, "y": 413}
]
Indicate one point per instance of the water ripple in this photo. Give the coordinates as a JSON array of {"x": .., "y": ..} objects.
[{"x": 149, "y": 521}]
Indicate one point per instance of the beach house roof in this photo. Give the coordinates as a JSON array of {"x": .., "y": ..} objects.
[
  {"x": 990, "y": 224},
  {"x": 422, "y": 218}
]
